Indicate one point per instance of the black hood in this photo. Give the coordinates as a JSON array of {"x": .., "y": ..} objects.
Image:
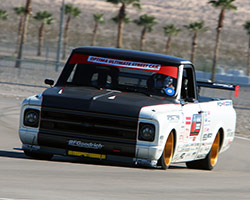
[{"x": 101, "y": 101}]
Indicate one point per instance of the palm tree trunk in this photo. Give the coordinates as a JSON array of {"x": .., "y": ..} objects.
[
  {"x": 19, "y": 33},
  {"x": 143, "y": 38},
  {"x": 168, "y": 44},
  {"x": 248, "y": 58},
  {"x": 194, "y": 46},
  {"x": 28, "y": 9},
  {"x": 66, "y": 37},
  {"x": 94, "y": 33},
  {"x": 217, "y": 44},
  {"x": 121, "y": 18},
  {"x": 216, "y": 54},
  {"x": 40, "y": 39}
]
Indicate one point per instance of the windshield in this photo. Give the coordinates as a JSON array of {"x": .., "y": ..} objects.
[{"x": 123, "y": 78}]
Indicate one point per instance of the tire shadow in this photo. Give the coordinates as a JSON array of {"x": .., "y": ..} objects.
[
  {"x": 12, "y": 154},
  {"x": 69, "y": 159}
]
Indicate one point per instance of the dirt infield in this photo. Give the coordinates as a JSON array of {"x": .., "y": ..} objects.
[{"x": 22, "y": 83}]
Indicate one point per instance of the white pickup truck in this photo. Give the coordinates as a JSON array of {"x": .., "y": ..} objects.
[{"x": 129, "y": 106}]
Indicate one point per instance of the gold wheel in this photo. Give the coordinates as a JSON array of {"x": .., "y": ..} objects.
[
  {"x": 168, "y": 149},
  {"x": 215, "y": 150},
  {"x": 210, "y": 161}
]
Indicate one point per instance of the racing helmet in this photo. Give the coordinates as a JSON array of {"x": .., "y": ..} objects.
[{"x": 162, "y": 83}]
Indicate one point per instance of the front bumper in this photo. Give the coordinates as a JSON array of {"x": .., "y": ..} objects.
[{"x": 112, "y": 158}]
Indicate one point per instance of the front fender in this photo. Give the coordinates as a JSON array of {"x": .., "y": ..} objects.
[{"x": 165, "y": 122}]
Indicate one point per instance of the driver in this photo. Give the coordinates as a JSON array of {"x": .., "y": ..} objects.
[{"x": 164, "y": 84}]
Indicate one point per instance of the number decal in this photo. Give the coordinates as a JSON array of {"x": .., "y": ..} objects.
[{"x": 196, "y": 125}]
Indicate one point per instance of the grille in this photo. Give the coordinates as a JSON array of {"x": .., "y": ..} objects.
[{"x": 88, "y": 125}]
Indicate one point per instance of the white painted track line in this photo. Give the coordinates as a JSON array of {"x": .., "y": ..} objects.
[{"x": 242, "y": 138}]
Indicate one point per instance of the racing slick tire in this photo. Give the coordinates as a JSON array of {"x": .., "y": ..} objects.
[
  {"x": 39, "y": 156},
  {"x": 210, "y": 161},
  {"x": 167, "y": 153}
]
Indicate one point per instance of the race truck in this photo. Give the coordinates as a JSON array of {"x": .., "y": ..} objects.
[{"x": 128, "y": 106}]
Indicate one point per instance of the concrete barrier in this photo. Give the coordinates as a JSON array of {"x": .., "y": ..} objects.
[{"x": 231, "y": 76}]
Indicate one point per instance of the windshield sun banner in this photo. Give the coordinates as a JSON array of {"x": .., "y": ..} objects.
[{"x": 158, "y": 68}]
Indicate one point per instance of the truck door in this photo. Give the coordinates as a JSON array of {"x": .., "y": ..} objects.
[
  {"x": 191, "y": 112},
  {"x": 193, "y": 121}
]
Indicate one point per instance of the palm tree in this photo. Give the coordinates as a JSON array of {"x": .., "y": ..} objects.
[
  {"x": 3, "y": 14},
  {"x": 27, "y": 14},
  {"x": 71, "y": 12},
  {"x": 223, "y": 5},
  {"x": 247, "y": 28},
  {"x": 98, "y": 17},
  {"x": 20, "y": 11},
  {"x": 46, "y": 19},
  {"x": 195, "y": 28},
  {"x": 122, "y": 15},
  {"x": 169, "y": 31},
  {"x": 116, "y": 19},
  {"x": 147, "y": 22}
]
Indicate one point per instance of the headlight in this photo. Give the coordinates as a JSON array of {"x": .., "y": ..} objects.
[
  {"x": 31, "y": 117},
  {"x": 146, "y": 132}
]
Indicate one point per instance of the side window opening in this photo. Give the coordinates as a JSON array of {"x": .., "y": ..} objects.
[{"x": 188, "y": 90}]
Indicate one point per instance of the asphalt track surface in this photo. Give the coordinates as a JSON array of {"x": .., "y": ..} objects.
[{"x": 67, "y": 178}]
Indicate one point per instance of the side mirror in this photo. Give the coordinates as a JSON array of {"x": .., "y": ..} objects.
[{"x": 49, "y": 82}]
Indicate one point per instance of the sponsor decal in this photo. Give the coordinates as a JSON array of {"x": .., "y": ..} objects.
[
  {"x": 173, "y": 118},
  {"x": 206, "y": 129},
  {"x": 184, "y": 137},
  {"x": 184, "y": 148},
  {"x": 207, "y": 117},
  {"x": 181, "y": 138},
  {"x": 206, "y": 144},
  {"x": 201, "y": 156},
  {"x": 87, "y": 155},
  {"x": 206, "y": 136},
  {"x": 196, "y": 125},
  {"x": 123, "y": 63},
  {"x": 87, "y": 59},
  {"x": 224, "y": 103},
  {"x": 188, "y": 120},
  {"x": 169, "y": 91},
  {"x": 230, "y": 133},
  {"x": 77, "y": 143},
  {"x": 182, "y": 155}
]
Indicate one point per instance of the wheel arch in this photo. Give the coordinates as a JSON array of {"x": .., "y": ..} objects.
[
  {"x": 221, "y": 132},
  {"x": 168, "y": 151},
  {"x": 175, "y": 139}
]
